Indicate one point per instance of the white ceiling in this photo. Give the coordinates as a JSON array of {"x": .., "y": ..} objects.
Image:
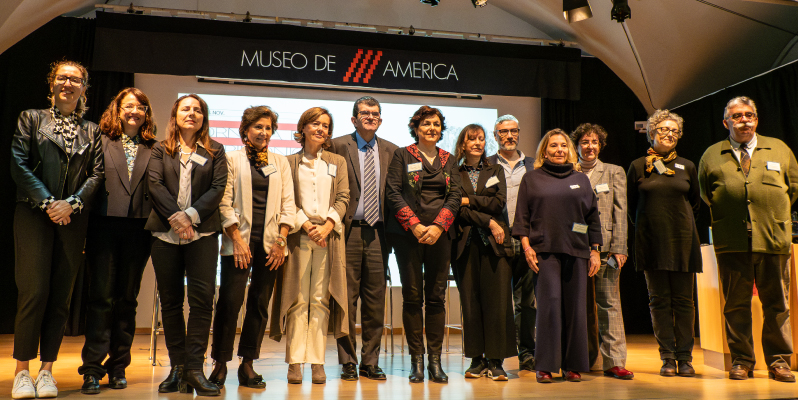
[{"x": 670, "y": 52}]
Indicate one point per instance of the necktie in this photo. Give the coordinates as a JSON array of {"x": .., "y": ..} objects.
[
  {"x": 370, "y": 206},
  {"x": 745, "y": 159}
]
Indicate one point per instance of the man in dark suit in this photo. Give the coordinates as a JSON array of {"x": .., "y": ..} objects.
[
  {"x": 367, "y": 159},
  {"x": 516, "y": 164}
]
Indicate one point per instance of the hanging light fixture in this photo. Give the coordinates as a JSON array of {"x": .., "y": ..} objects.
[
  {"x": 433, "y": 3},
  {"x": 479, "y": 3},
  {"x": 620, "y": 10},
  {"x": 576, "y": 10}
]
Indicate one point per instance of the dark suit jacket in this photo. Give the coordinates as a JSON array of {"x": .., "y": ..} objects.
[
  {"x": 483, "y": 205},
  {"x": 346, "y": 146},
  {"x": 207, "y": 188},
  {"x": 404, "y": 197},
  {"x": 123, "y": 195}
]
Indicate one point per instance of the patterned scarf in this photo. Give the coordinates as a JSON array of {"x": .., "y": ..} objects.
[
  {"x": 654, "y": 156},
  {"x": 66, "y": 126},
  {"x": 258, "y": 159}
]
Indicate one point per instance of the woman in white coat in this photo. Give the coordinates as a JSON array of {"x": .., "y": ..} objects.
[{"x": 258, "y": 211}]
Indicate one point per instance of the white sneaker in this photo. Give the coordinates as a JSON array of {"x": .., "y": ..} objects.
[
  {"x": 45, "y": 385},
  {"x": 23, "y": 386}
]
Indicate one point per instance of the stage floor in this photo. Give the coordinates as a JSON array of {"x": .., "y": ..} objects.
[{"x": 643, "y": 358}]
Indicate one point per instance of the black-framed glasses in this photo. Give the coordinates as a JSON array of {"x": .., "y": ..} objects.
[
  {"x": 739, "y": 116},
  {"x": 62, "y": 79},
  {"x": 367, "y": 114},
  {"x": 132, "y": 107},
  {"x": 505, "y": 132},
  {"x": 664, "y": 131}
]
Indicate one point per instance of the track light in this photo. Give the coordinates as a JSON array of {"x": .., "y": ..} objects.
[
  {"x": 433, "y": 3},
  {"x": 620, "y": 10},
  {"x": 576, "y": 10},
  {"x": 247, "y": 18},
  {"x": 412, "y": 31},
  {"x": 479, "y": 3}
]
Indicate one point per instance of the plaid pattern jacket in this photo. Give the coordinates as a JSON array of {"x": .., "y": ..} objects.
[{"x": 611, "y": 205}]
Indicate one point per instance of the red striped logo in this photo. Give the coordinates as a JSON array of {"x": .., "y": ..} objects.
[{"x": 359, "y": 65}]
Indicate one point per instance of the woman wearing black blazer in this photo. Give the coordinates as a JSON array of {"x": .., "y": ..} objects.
[
  {"x": 481, "y": 270},
  {"x": 423, "y": 193},
  {"x": 188, "y": 174},
  {"x": 117, "y": 245}
]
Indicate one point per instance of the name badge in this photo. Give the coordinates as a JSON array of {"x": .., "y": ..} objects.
[
  {"x": 269, "y": 169},
  {"x": 603, "y": 188},
  {"x": 415, "y": 167},
  {"x": 660, "y": 167},
  {"x": 579, "y": 228},
  {"x": 492, "y": 181},
  {"x": 677, "y": 165},
  {"x": 773, "y": 166},
  {"x": 574, "y": 186},
  {"x": 332, "y": 169},
  {"x": 198, "y": 159}
]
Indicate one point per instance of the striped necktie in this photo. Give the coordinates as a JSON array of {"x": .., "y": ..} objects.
[
  {"x": 745, "y": 158},
  {"x": 370, "y": 206}
]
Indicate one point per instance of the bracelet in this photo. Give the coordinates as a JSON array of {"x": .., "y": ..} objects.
[{"x": 527, "y": 249}]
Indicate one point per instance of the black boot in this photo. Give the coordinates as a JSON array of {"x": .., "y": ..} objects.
[
  {"x": 416, "y": 368},
  {"x": 194, "y": 379},
  {"x": 171, "y": 382},
  {"x": 435, "y": 370}
]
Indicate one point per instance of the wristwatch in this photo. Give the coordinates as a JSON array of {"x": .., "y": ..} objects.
[
  {"x": 596, "y": 248},
  {"x": 281, "y": 240}
]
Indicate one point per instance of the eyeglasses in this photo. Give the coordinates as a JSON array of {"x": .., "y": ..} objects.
[
  {"x": 664, "y": 131},
  {"x": 372, "y": 114},
  {"x": 505, "y": 132},
  {"x": 739, "y": 116},
  {"x": 131, "y": 108},
  {"x": 61, "y": 79}
]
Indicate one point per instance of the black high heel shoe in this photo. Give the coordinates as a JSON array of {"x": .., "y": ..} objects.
[
  {"x": 416, "y": 368},
  {"x": 194, "y": 380},
  {"x": 435, "y": 370},
  {"x": 170, "y": 384},
  {"x": 255, "y": 382},
  {"x": 219, "y": 376}
]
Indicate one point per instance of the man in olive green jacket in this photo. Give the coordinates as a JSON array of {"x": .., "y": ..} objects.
[{"x": 749, "y": 182}]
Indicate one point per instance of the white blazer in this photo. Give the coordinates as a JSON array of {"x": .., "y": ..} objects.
[{"x": 236, "y": 206}]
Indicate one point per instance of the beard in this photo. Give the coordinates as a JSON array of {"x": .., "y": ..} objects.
[{"x": 509, "y": 146}]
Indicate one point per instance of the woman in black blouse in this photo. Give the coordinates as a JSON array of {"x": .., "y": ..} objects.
[
  {"x": 664, "y": 197},
  {"x": 481, "y": 269},
  {"x": 423, "y": 192},
  {"x": 557, "y": 221}
]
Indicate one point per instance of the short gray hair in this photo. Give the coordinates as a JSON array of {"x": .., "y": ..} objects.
[
  {"x": 505, "y": 118},
  {"x": 659, "y": 116},
  {"x": 738, "y": 101}
]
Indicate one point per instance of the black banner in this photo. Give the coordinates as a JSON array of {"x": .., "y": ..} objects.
[{"x": 181, "y": 46}]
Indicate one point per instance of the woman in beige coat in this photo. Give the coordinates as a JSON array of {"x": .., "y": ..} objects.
[{"x": 314, "y": 281}]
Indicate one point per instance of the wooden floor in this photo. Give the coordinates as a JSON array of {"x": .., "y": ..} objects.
[{"x": 643, "y": 361}]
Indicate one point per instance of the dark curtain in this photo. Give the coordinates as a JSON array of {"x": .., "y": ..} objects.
[{"x": 23, "y": 73}]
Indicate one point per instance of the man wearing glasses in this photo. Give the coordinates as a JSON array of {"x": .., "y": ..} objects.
[
  {"x": 749, "y": 182},
  {"x": 367, "y": 159},
  {"x": 516, "y": 164}
]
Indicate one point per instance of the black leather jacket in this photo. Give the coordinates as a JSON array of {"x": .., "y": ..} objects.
[{"x": 41, "y": 167}]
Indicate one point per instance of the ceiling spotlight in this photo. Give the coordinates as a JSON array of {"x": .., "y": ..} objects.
[
  {"x": 479, "y": 3},
  {"x": 620, "y": 10},
  {"x": 247, "y": 18},
  {"x": 576, "y": 10},
  {"x": 431, "y": 2},
  {"x": 412, "y": 31}
]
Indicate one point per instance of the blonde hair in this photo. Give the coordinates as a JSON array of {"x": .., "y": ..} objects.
[{"x": 544, "y": 143}]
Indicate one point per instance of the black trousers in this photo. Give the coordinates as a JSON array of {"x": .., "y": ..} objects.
[
  {"x": 231, "y": 297},
  {"x": 365, "y": 280},
  {"x": 47, "y": 259},
  {"x": 196, "y": 261},
  {"x": 560, "y": 287},
  {"x": 670, "y": 299},
  {"x": 117, "y": 250},
  {"x": 486, "y": 298},
  {"x": 424, "y": 270},
  {"x": 525, "y": 308},
  {"x": 771, "y": 274}
]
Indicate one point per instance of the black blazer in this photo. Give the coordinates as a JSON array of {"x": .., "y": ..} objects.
[
  {"x": 404, "y": 198},
  {"x": 207, "y": 188},
  {"x": 346, "y": 146},
  {"x": 483, "y": 205},
  {"x": 124, "y": 196}
]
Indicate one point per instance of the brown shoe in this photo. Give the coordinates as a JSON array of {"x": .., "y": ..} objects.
[
  {"x": 740, "y": 372},
  {"x": 781, "y": 374},
  {"x": 668, "y": 367},
  {"x": 544, "y": 377},
  {"x": 295, "y": 373},
  {"x": 318, "y": 375},
  {"x": 685, "y": 368}
]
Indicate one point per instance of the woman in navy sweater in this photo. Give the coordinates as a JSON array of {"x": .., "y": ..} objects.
[{"x": 557, "y": 221}]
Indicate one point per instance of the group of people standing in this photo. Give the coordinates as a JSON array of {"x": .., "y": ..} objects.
[{"x": 537, "y": 239}]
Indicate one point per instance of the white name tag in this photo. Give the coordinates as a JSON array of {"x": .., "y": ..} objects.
[
  {"x": 492, "y": 181},
  {"x": 332, "y": 169},
  {"x": 415, "y": 167},
  {"x": 574, "y": 186},
  {"x": 198, "y": 159},
  {"x": 269, "y": 169},
  {"x": 677, "y": 165},
  {"x": 579, "y": 228},
  {"x": 773, "y": 166},
  {"x": 660, "y": 167},
  {"x": 603, "y": 188}
]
